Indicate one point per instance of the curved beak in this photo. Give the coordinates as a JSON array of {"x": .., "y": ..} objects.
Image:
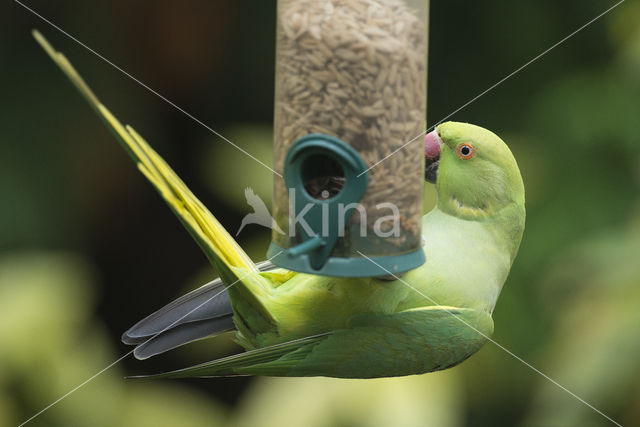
[{"x": 432, "y": 156}]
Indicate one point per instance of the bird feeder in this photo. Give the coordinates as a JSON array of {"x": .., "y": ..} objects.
[{"x": 350, "y": 109}]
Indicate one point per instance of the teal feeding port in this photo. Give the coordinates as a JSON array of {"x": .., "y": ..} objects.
[
  {"x": 309, "y": 160},
  {"x": 350, "y": 96}
]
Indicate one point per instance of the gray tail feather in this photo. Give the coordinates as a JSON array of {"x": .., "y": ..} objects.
[
  {"x": 182, "y": 334},
  {"x": 203, "y": 312},
  {"x": 207, "y": 302}
]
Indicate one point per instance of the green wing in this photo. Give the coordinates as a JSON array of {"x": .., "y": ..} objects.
[
  {"x": 375, "y": 345},
  {"x": 405, "y": 343}
]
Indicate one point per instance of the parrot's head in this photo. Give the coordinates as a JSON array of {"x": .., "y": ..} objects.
[{"x": 476, "y": 175}]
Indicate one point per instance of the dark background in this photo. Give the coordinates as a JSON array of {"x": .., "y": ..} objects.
[{"x": 87, "y": 248}]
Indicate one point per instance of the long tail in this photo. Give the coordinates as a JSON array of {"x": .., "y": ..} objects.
[
  {"x": 236, "y": 269},
  {"x": 221, "y": 249}
]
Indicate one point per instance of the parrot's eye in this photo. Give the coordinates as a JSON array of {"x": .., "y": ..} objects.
[{"x": 466, "y": 151}]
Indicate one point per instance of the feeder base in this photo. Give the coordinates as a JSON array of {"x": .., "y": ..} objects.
[{"x": 347, "y": 267}]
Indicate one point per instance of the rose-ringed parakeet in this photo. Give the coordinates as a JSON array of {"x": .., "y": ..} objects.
[{"x": 295, "y": 324}]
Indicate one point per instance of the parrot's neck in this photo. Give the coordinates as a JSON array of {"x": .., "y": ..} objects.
[
  {"x": 506, "y": 222},
  {"x": 509, "y": 223}
]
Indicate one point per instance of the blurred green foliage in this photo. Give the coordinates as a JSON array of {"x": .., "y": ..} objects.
[
  {"x": 87, "y": 248},
  {"x": 51, "y": 343}
]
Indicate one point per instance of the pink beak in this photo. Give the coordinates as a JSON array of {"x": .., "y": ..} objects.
[{"x": 432, "y": 145}]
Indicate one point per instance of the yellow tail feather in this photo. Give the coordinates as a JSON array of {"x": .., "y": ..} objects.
[{"x": 202, "y": 225}]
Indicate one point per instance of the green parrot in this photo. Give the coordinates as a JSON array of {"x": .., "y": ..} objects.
[{"x": 295, "y": 324}]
